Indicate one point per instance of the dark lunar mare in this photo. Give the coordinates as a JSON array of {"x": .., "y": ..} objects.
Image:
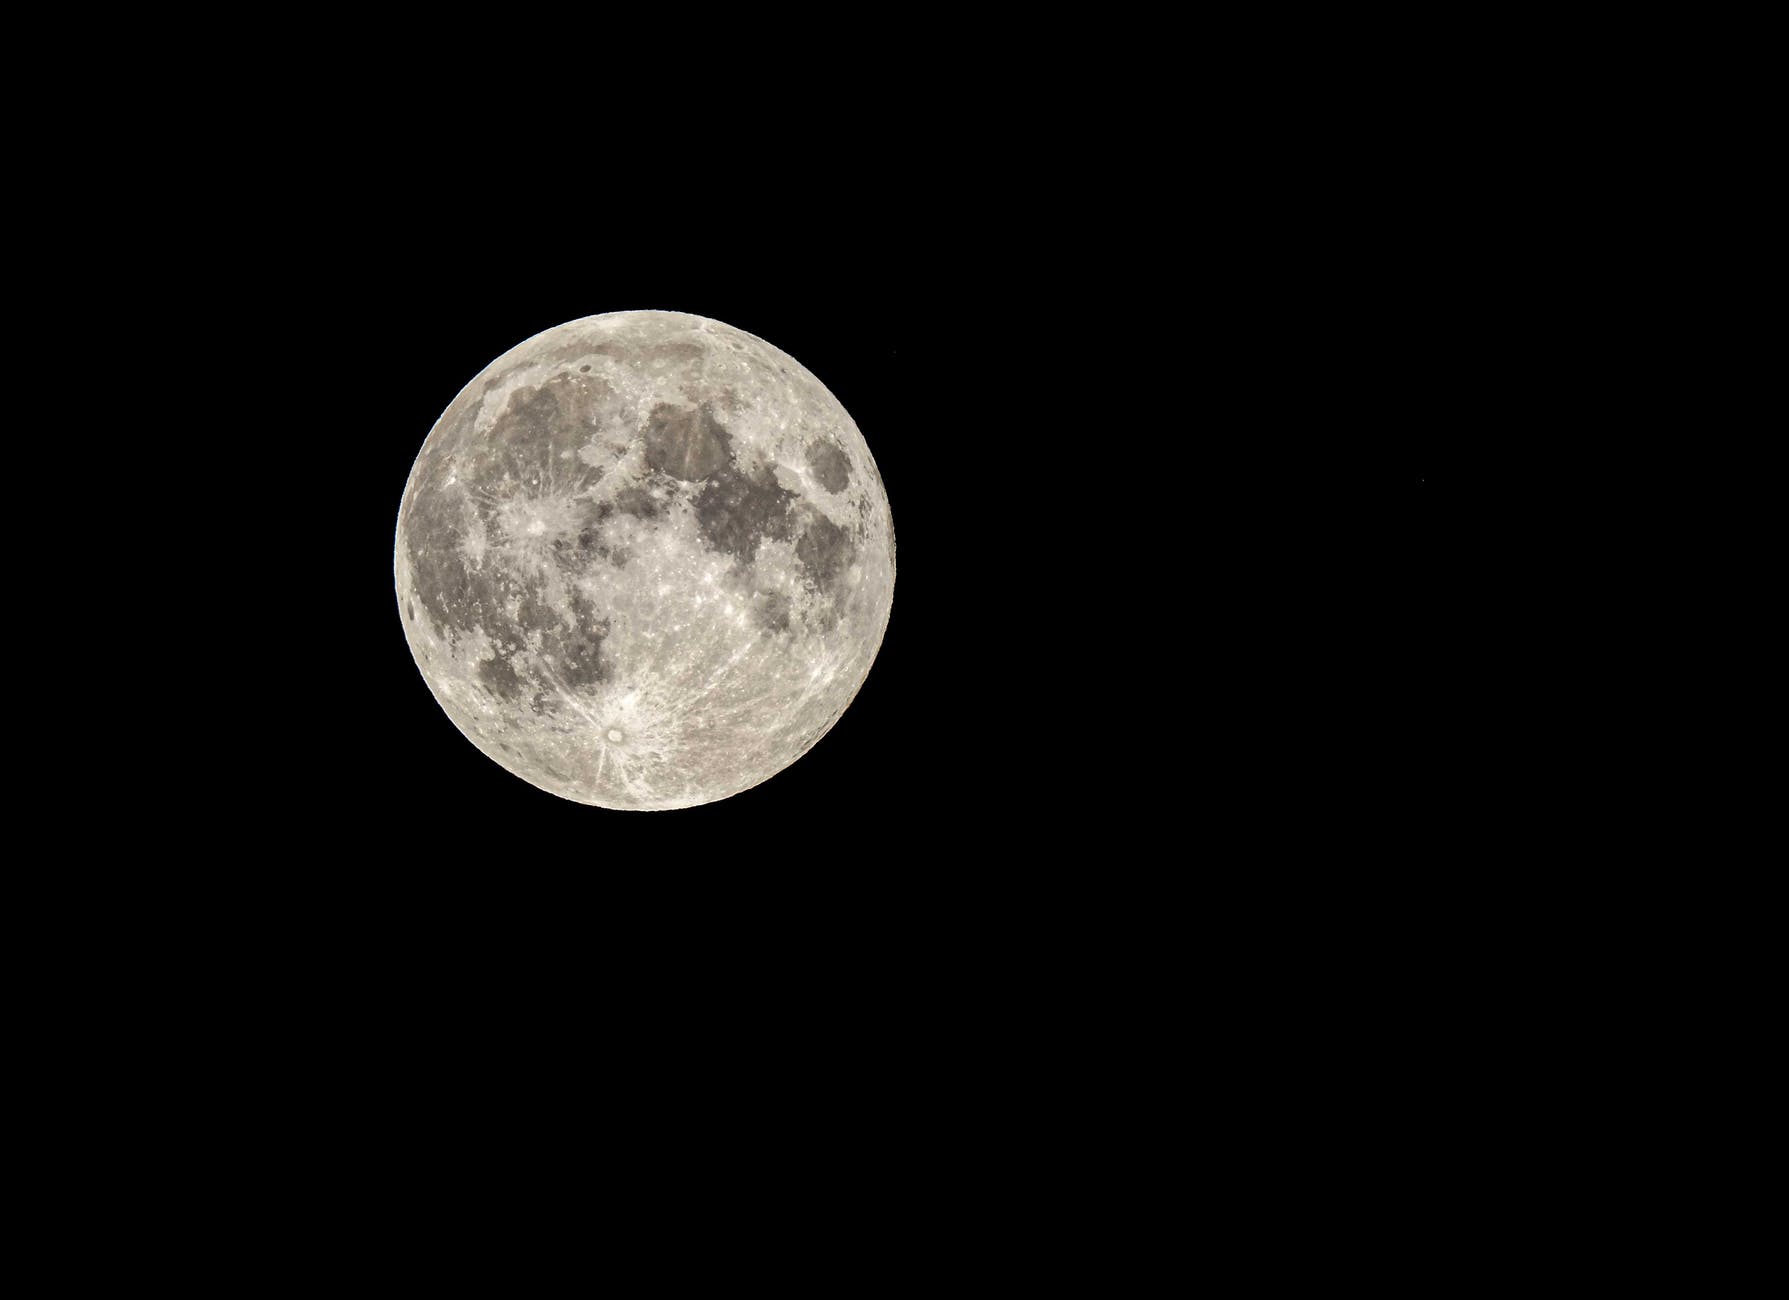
[
  {"x": 829, "y": 465},
  {"x": 686, "y": 444},
  {"x": 522, "y": 455},
  {"x": 736, "y": 511},
  {"x": 825, "y": 551}
]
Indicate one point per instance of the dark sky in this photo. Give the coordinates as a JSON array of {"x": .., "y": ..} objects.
[{"x": 1127, "y": 440}]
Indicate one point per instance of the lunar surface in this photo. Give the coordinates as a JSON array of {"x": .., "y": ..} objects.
[{"x": 644, "y": 560}]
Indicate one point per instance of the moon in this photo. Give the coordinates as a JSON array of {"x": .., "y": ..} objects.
[{"x": 644, "y": 560}]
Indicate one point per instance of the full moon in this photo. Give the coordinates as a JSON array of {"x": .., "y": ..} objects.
[{"x": 644, "y": 560}]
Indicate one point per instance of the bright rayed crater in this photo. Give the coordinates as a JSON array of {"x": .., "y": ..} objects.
[{"x": 644, "y": 560}]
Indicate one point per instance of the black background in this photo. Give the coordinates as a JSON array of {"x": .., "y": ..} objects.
[
  {"x": 926, "y": 338},
  {"x": 1157, "y": 429},
  {"x": 1140, "y": 775},
  {"x": 1129, "y": 844},
  {"x": 1143, "y": 491}
]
